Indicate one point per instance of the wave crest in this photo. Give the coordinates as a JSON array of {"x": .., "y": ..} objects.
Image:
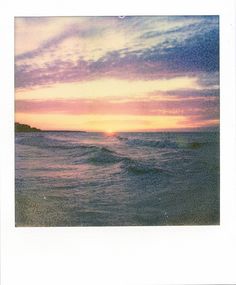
[{"x": 149, "y": 143}]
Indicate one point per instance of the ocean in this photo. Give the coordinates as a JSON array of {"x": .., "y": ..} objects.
[{"x": 121, "y": 179}]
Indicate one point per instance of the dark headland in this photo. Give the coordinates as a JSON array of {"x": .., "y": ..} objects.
[{"x": 25, "y": 128}]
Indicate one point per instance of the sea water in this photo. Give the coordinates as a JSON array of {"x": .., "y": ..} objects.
[{"x": 122, "y": 179}]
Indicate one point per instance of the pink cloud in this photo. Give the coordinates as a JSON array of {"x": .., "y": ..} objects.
[{"x": 196, "y": 106}]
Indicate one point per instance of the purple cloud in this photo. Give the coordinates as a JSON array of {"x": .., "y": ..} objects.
[{"x": 186, "y": 49}]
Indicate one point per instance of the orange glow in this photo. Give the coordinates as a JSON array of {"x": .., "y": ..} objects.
[
  {"x": 110, "y": 133},
  {"x": 103, "y": 123},
  {"x": 115, "y": 90}
]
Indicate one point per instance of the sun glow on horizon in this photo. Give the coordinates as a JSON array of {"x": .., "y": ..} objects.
[
  {"x": 109, "y": 133},
  {"x": 107, "y": 123}
]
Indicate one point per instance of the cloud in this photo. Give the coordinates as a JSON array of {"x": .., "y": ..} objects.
[
  {"x": 177, "y": 106},
  {"x": 131, "y": 48},
  {"x": 201, "y": 53},
  {"x": 134, "y": 73},
  {"x": 184, "y": 93}
]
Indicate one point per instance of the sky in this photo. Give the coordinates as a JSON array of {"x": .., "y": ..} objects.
[{"x": 110, "y": 74}]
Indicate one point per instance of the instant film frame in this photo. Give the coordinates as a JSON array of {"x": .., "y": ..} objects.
[{"x": 114, "y": 255}]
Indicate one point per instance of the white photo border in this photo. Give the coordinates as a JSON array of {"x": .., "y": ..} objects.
[{"x": 120, "y": 255}]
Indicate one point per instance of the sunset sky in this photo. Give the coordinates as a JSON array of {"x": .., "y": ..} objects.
[{"x": 117, "y": 74}]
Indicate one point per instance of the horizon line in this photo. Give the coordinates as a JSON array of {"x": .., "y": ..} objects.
[{"x": 138, "y": 131}]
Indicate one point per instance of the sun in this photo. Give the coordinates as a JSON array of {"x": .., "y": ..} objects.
[{"x": 109, "y": 133}]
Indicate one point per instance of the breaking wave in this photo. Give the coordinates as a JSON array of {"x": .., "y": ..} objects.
[{"x": 161, "y": 143}]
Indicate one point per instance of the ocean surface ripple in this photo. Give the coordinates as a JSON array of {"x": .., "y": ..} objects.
[{"x": 125, "y": 179}]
